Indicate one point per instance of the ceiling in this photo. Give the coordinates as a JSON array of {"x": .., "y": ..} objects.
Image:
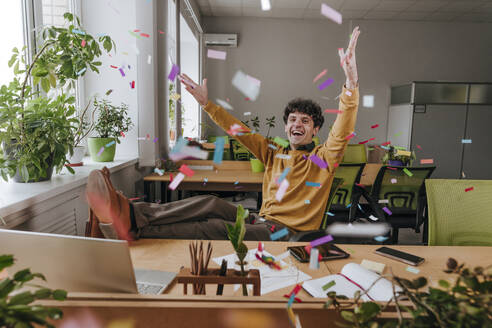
[{"x": 397, "y": 10}]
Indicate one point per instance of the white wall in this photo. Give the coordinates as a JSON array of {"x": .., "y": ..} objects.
[{"x": 286, "y": 55}]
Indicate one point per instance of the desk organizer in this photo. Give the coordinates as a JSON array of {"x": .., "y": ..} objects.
[{"x": 212, "y": 276}]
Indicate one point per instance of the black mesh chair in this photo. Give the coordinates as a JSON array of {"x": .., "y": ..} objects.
[{"x": 347, "y": 197}]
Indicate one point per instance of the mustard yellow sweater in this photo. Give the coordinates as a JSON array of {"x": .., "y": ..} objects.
[{"x": 293, "y": 210}]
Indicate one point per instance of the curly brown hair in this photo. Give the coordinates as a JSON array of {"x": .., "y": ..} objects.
[{"x": 305, "y": 106}]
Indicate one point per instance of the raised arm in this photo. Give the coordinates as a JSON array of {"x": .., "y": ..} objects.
[
  {"x": 255, "y": 142},
  {"x": 333, "y": 149}
]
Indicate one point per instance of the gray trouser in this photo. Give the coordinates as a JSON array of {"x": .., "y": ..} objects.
[{"x": 199, "y": 217}]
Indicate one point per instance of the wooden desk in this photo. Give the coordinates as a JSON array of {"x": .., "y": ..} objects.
[
  {"x": 223, "y": 177},
  {"x": 175, "y": 310}
]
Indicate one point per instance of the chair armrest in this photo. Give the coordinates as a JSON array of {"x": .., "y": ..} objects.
[{"x": 308, "y": 235}]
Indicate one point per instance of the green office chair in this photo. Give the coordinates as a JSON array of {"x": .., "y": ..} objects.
[
  {"x": 355, "y": 154},
  {"x": 227, "y": 154},
  {"x": 316, "y": 140},
  {"x": 348, "y": 193},
  {"x": 404, "y": 194},
  {"x": 315, "y": 234},
  {"x": 239, "y": 152},
  {"x": 458, "y": 217}
]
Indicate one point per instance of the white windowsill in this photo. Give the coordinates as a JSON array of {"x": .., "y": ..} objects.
[{"x": 18, "y": 196}]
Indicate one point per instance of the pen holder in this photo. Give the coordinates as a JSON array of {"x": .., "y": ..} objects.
[{"x": 212, "y": 276}]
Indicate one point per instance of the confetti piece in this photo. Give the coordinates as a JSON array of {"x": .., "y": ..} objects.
[
  {"x": 132, "y": 84},
  {"x": 161, "y": 32},
  {"x": 216, "y": 54},
  {"x": 160, "y": 172},
  {"x": 321, "y": 241},
  {"x": 393, "y": 180},
  {"x": 387, "y": 210},
  {"x": 380, "y": 238},
  {"x": 219, "y": 150},
  {"x": 427, "y": 161},
  {"x": 330, "y": 214},
  {"x": 100, "y": 151},
  {"x": 466, "y": 141},
  {"x": 205, "y": 180},
  {"x": 386, "y": 143},
  {"x": 176, "y": 181},
  {"x": 383, "y": 201},
  {"x": 385, "y": 147},
  {"x": 348, "y": 93},
  {"x": 368, "y": 101},
  {"x": 155, "y": 140},
  {"x": 282, "y": 142},
  {"x": 374, "y": 126},
  {"x": 110, "y": 143},
  {"x": 247, "y": 114},
  {"x": 77, "y": 31},
  {"x": 145, "y": 35},
  {"x": 313, "y": 259},
  {"x": 397, "y": 134},
  {"x": 331, "y": 13},
  {"x": 134, "y": 34},
  {"x": 175, "y": 96},
  {"x": 333, "y": 111},
  {"x": 291, "y": 300},
  {"x": 468, "y": 189},
  {"x": 186, "y": 170},
  {"x": 174, "y": 72},
  {"x": 412, "y": 269},
  {"x": 373, "y": 266},
  {"x": 307, "y": 201},
  {"x": 282, "y": 156},
  {"x": 336, "y": 164},
  {"x": 319, "y": 75},
  {"x": 353, "y": 134},
  {"x": 82, "y": 71},
  {"x": 224, "y": 104},
  {"x": 284, "y": 174},
  {"x": 281, "y": 190},
  {"x": 149, "y": 59},
  {"x": 407, "y": 172},
  {"x": 141, "y": 138},
  {"x": 325, "y": 84},
  {"x": 122, "y": 72},
  {"x": 418, "y": 146},
  {"x": 279, "y": 234},
  {"x": 122, "y": 134},
  {"x": 112, "y": 66},
  {"x": 366, "y": 141},
  {"x": 83, "y": 43},
  {"x": 246, "y": 85},
  {"x": 318, "y": 161},
  {"x": 329, "y": 285},
  {"x": 148, "y": 136},
  {"x": 313, "y": 184},
  {"x": 272, "y": 146}
]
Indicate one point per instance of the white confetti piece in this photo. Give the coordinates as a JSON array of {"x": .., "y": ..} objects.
[
  {"x": 224, "y": 104},
  {"x": 394, "y": 180},
  {"x": 282, "y": 156},
  {"x": 149, "y": 59},
  {"x": 281, "y": 190},
  {"x": 331, "y": 13},
  {"x": 215, "y": 54},
  {"x": 246, "y": 85},
  {"x": 247, "y": 113},
  {"x": 176, "y": 181}
]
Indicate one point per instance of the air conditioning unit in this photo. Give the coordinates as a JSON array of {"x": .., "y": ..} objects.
[{"x": 221, "y": 40}]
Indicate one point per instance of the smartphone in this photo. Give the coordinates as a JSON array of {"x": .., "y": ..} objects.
[
  {"x": 399, "y": 256},
  {"x": 326, "y": 252}
]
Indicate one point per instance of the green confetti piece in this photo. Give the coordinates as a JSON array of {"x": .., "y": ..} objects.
[
  {"x": 351, "y": 251},
  {"x": 282, "y": 142},
  {"x": 329, "y": 285},
  {"x": 407, "y": 172},
  {"x": 400, "y": 148},
  {"x": 398, "y": 134}
]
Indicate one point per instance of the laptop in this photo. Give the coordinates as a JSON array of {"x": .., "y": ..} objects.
[{"x": 81, "y": 264}]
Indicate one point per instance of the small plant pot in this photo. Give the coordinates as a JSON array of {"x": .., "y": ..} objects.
[
  {"x": 256, "y": 165},
  {"x": 98, "y": 154},
  {"x": 78, "y": 155}
]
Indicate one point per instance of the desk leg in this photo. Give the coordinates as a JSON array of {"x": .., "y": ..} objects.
[
  {"x": 147, "y": 191},
  {"x": 164, "y": 198},
  {"x": 259, "y": 200}
]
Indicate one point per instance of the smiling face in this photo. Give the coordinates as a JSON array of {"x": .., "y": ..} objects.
[{"x": 300, "y": 129}]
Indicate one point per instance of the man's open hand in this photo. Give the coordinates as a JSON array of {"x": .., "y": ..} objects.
[
  {"x": 200, "y": 92},
  {"x": 347, "y": 60}
]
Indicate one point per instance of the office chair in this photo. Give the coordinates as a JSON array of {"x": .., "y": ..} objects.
[
  {"x": 355, "y": 154},
  {"x": 347, "y": 193},
  {"x": 458, "y": 217},
  {"x": 403, "y": 195},
  {"x": 227, "y": 154},
  {"x": 315, "y": 234},
  {"x": 238, "y": 151}
]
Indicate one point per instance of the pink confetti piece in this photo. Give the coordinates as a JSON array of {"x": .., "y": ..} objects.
[
  {"x": 122, "y": 72},
  {"x": 145, "y": 35},
  {"x": 176, "y": 181},
  {"x": 331, "y": 13},
  {"x": 353, "y": 134},
  {"x": 336, "y": 165},
  {"x": 468, "y": 189},
  {"x": 427, "y": 161},
  {"x": 112, "y": 66},
  {"x": 374, "y": 126},
  {"x": 418, "y": 146},
  {"x": 387, "y": 210},
  {"x": 100, "y": 151},
  {"x": 320, "y": 75},
  {"x": 122, "y": 134},
  {"x": 161, "y": 32},
  {"x": 394, "y": 180},
  {"x": 132, "y": 84},
  {"x": 325, "y": 84},
  {"x": 215, "y": 54},
  {"x": 333, "y": 111},
  {"x": 318, "y": 161},
  {"x": 83, "y": 43},
  {"x": 186, "y": 170},
  {"x": 366, "y": 141},
  {"x": 386, "y": 143},
  {"x": 281, "y": 190}
]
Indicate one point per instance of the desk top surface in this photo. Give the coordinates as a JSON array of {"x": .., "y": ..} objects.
[{"x": 170, "y": 255}]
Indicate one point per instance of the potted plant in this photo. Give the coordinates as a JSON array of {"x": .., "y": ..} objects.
[
  {"x": 83, "y": 130},
  {"x": 270, "y": 122},
  {"x": 37, "y": 132},
  {"x": 394, "y": 158},
  {"x": 16, "y": 308},
  {"x": 112, "y": 122}
]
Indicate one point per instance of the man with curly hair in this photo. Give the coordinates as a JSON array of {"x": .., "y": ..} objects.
[{"x": 300, "y": 208}]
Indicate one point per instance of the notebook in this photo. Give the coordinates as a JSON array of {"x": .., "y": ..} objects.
[{"x": 352, "y": 278}]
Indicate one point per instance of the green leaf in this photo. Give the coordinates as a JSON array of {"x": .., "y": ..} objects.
[
  {"x": 23, "y": 275},
  {"x": 369, "y": 310},
  {"x": 242, "y": 251},
  {"x": 12, "y": 60},
  {"x": 348, "y": 316},
  {"x": 52, "y": 80},
  {"x": 24, "y": 173},
  {"x": 42, "y": 293},
  {"x": 6, "y": 286},
  {"x": 443, "y": 283},
  {"x": 16, "y": 68},
  {"x": 22, "y": 299},
  {"x": 329, "y": 285},
  {"x": 45, "y": 85},
  {"x": 419, "y": 282},
  {"x": 59, "y": 294},
  {"x": 6, "y": 261}
]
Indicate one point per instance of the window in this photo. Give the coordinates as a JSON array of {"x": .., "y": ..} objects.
[
  {"x": 53, "y": 10},
  {"x": 11, "y": 35},
  {"x": 171, "y": 49}
]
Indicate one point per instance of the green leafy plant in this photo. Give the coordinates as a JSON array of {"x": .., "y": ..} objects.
[
  {"x": 37, "y": 132},
  {"x": 270, "y": 122},
  {"x": 391, "y": 155},
  {"x": 16, "y": 310},
  {"x": 111, "y": 120},
  {"x": 235, "y": 233},
  {"x": 84, "y": 126},
  {"x": 467, "y": 302}
]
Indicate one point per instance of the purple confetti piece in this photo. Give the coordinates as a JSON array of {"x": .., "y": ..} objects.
[
  {"x": 122, "y": 72},
  {"x": 155, "y": 140},
  {"x": 325, "y": 84},
  {"x": 174, "y": 72},
  {"x": 100, "y": 151},
  {"x": 387, "y": 210},
  {"x": 321, "y": 241},
  {"x": 318, "y": 161}
]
